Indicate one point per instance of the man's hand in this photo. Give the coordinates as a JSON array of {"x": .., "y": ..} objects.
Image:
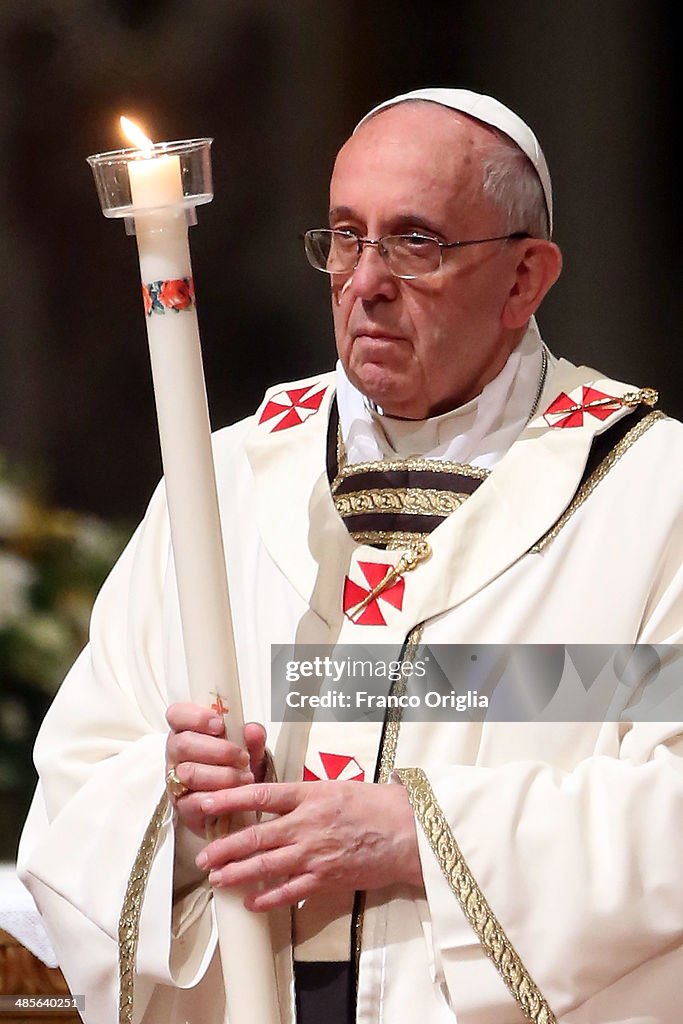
[
  {"x": 329, "y": 835},
  {"x": 206, "y": 761}
]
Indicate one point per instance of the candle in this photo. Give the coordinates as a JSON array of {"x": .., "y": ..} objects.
[
  {"x": 159, "y": 208},
  {"x": 184, "y": 428},
  {"x": 155, "y": 181}
]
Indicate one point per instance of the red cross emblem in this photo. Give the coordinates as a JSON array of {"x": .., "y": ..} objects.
[
  {"x": 371, "y": 615},
  {"x": 334, "y": 767},
  {"x": 290, "y": 408},
  {"x": 219, "y": 706},
  {"x": 566, "y": 411}
]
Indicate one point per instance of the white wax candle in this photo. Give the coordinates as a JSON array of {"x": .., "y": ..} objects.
[
  {"x": 155, "y": 181},
  {"x": 184, "y": 431}
]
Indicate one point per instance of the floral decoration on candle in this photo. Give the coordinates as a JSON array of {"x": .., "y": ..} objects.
[{"x": 176, "y": 295}]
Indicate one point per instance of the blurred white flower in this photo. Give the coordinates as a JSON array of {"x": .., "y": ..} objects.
[
  {"x": 44, "y": 648},
  {"x": 96, "y": 539},
  {"x": 16, "y": 576}
]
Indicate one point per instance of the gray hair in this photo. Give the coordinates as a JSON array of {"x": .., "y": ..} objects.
[{"x": 511, "y": 183}]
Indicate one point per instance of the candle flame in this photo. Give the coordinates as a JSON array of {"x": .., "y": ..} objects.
[{"x": 136, "y": 135}]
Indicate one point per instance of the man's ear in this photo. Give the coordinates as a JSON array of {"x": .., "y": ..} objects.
[{"x": 539, "y": 266}]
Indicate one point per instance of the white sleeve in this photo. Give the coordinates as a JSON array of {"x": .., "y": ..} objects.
[
  {"x": 581, "y": 869},
  {"x": 100, "y": 756}
]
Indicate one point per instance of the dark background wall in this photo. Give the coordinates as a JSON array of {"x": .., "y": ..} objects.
[{"x": 279, "y": 86}]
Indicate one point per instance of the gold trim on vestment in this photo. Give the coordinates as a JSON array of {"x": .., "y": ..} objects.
[
  {"x": 407, "y": 465},
  {"x": 394, "y": 540},
  {"x": 598, "y": 474},
  {"x": 387, "y": 754},
  {"x": 341, "y": 451},
  {"x": 129, "y": 920},
  {"x": 472, "y": 901},
  {"x": 417, "y": 501}
]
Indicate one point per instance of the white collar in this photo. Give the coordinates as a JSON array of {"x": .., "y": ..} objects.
[{"x": 479, "y": 432}]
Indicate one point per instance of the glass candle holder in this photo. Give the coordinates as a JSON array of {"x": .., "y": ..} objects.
[{"x": 187, "y": 172}]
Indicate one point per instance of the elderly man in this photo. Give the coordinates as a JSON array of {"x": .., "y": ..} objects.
[{"x": 451, "y": 481}]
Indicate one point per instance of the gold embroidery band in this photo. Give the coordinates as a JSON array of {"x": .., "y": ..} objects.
[
  {"x": 390, "y": 539},
  {"x": 472, "y": 901},
  {"x": 387, "y": 755},
  {"x": 411, "y": 465},
  {"x": 341, "y": 449},
  {"x": 129, "y": 921},
  {"x": 420, "y": 501},
  {"x": 596, "y": 476}
]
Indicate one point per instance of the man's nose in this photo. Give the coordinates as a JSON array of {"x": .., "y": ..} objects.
[{"x": 372, "y": 277}]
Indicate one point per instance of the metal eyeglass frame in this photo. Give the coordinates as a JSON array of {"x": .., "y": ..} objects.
[{"x": 361, "y": 242}]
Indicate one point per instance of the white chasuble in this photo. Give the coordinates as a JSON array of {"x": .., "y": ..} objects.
[{"x": 567, "y": 836}]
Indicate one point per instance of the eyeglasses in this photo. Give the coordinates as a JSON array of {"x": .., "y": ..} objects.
[{"x": 406, "y": 256}]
